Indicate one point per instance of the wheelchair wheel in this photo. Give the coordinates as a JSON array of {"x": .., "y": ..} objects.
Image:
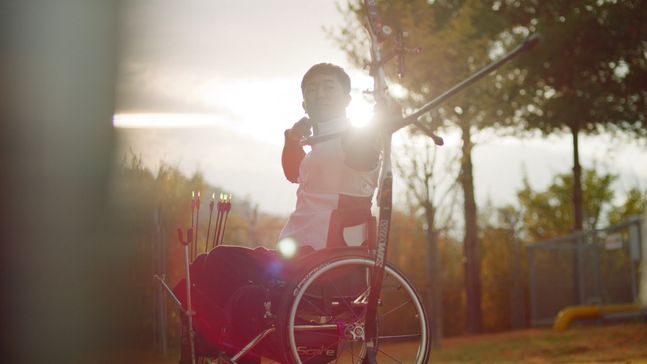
[{"x": 325, "y": 313}]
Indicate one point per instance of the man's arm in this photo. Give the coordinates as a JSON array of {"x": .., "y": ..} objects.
[
  {"x": 293, "y": 151},
  {"x": 362, "y": 145},
  {"x": 291, "y": 158},
  {"x": 361, "y": 148}
]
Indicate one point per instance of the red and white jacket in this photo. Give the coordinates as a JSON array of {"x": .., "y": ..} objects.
[{"x": 337, "y": 179}]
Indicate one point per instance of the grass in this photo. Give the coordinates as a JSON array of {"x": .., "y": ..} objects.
[
  {"x": 626, "y": 343},
  {"x": 619, "y": 343}
]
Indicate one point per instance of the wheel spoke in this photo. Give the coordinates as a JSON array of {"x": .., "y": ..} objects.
[
  {"x": 398, "y": 338},
  {"x": 348, "y": 346},
  {"x": 396, "y": 308},
  {"x": 315, "y": 306},
  {"x": 346, "y": 303},
  {"x": 390, "y": 356}
]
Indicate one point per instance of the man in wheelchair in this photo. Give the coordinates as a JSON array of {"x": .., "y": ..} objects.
[{"x": 233, "y": 286}]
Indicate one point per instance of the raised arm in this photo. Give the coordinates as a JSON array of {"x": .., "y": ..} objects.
[{"x": 292, "y": 150}]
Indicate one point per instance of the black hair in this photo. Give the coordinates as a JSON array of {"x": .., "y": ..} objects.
[{"x": 329, "y": 69}]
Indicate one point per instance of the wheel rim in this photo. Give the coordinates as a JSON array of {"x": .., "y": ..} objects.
[{"x": 321, "y": 330}]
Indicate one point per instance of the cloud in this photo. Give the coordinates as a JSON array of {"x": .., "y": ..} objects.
[
  {"x": 170, "y": 48},
  {"x": 154, "y": 88}
]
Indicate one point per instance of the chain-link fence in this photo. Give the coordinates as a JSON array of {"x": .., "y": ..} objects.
[{"x": 595, "y": 267}]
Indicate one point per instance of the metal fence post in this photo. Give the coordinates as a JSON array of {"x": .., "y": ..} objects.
[
  {"x": 634, "y": 256},
  {"x": 608, "y": 266},
  {"x": 642, "y": 291},
  {"x": 533, "y": 285},
  {"x": 578, "y": 274}
]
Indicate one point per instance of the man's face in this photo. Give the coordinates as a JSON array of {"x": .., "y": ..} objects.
[{"x": 324, "y": 98}]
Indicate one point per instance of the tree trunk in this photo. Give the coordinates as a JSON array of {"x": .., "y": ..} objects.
[
  {"x": 517, "y": 314},
  {"x": 470, "y": 243},
  {"x": 435, "y": 295},
  {"x": 578, "y": 200}
]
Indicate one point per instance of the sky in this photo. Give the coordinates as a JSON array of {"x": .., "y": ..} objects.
[{"x": 210, "y": 86}]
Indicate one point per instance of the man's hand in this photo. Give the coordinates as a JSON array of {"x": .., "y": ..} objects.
[
  {"x": 388, "y": 110},
  {"x": 299, "y": 130}
]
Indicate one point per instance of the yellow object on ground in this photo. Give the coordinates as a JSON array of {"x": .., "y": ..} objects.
[{"x": 570, "y": 314}]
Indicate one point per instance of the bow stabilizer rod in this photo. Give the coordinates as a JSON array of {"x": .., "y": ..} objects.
[{"x": 528, "y": 44}]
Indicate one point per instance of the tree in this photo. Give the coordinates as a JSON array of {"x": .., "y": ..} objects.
[
  {"x": 430, "y": 185},
  {"x": 588, "y": 76},
  {"x": 504, "y": 268},
  {"x": 548, "y": 214},
  {"x": 409, "y": 236},
  {"x": 542, "y": 214},
  {"x": 635, "y": 203},
  {"x": 464, "y": 31}
]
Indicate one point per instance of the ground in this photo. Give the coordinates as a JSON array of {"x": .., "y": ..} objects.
[
  {"x": 608, "y": 343},
  {"x": 625, "y": 343}
]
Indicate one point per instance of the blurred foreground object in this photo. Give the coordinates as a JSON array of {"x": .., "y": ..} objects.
[{"x": 60, "y": 272}]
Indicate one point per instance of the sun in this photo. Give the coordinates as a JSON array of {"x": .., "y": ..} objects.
[{"x": 360, "y": 111}]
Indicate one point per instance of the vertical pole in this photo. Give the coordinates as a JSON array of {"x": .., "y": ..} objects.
[
  {"x": 642, "y": 290},
  {"x": 533, "y": 285},
  {"x": 435, "y": 287},
  {"x": 578, "y": 287},
  {"x": 211, "y": 204},
  {"x": 471, "y": 241},
  {"x": 594, "y": 262},
  {"x": 227, "y": 207},
  {"x": 577, "y": 210},
  {"x": 634, "y": 256},
  {"x": 216, "y": 232},
  {"x": 192, "y": 212},
  {"x": 157, "y": 297},
  {"x": 578, "y": 199},
  {"x": 161, "y": 270},
  {"x": 189, "y": 309},
  {"x": 518, "y": 307},
  {"x": 195, "y": 230}
]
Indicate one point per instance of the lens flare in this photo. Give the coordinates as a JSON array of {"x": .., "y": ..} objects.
[{"x": 287, "y": 247}]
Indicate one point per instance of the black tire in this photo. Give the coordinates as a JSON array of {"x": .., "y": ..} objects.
[{"x": 321, "y": 317}]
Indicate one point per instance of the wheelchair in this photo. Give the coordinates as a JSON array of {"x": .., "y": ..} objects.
[
  {"x": 324, "y": 314},
  {"x": 314, "y": 311}
]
